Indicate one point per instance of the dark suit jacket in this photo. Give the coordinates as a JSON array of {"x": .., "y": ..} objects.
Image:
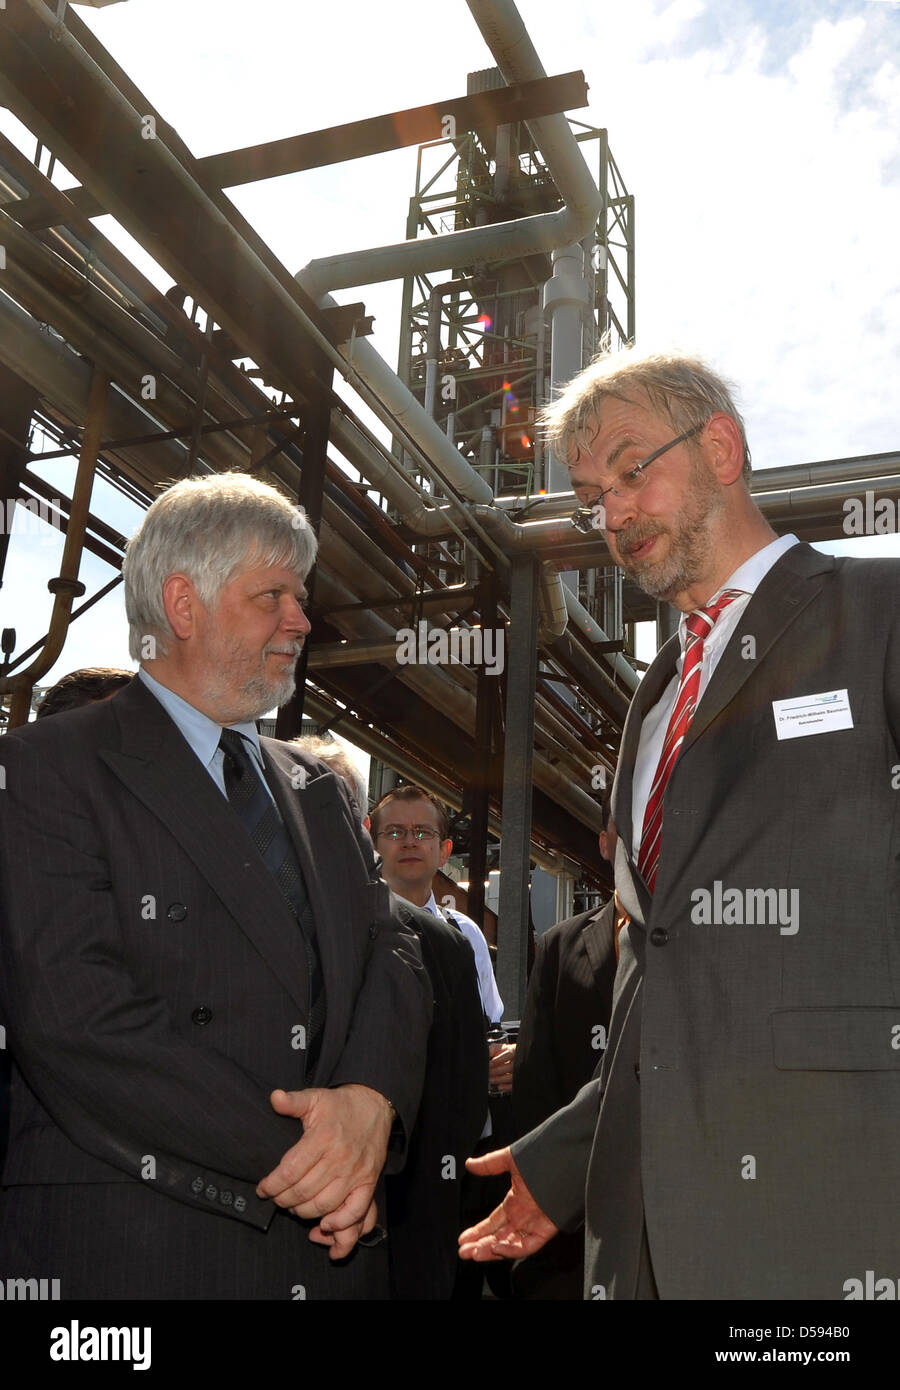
[
  {"x": 749, "y": 1102},
  {"x": 154, "y": 985},
  {"x": 423, "y": 1201},
  {"x": 565, "y": 1026},
  {"x": 565, "y": 1022}
]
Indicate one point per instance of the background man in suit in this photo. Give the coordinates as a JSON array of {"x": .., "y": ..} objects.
[
  {"x": 195, "y": 953},
  {"x": 410, "y": 829},
  {"x": 743, "y": 1138},
  {"x": 565, "y": 1026},
  {"x": 423, "y": 1201}
]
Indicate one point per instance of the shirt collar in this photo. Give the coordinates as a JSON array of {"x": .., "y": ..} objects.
[
  {"x": 198, "y": 730},
  {"x": 748, "y": 576}
]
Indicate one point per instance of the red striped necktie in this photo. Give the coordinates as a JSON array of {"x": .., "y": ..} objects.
[{"x": 699, "y": 625}]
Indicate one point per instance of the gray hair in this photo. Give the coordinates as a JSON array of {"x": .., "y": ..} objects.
[
  {"x": 331, "y": 752},
  {"x": 208, "y": 528},
  {"x": 683, "y": 389}
]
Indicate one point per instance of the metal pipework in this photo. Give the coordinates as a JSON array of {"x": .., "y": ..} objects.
[
  {"x": 514, "y": 53},
  {"x": 64, "y": 379},
  {"x": 68, "y": 586}
]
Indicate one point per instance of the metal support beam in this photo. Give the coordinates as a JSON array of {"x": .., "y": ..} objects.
[
  {"x": 417, "y": 126},
  {"x": 478, "y": 792},
  {"x": 316, "y": 423},
  {"x": 521, "y": 680}
]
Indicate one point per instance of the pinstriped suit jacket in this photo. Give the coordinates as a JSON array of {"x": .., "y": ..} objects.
[
  {"x": 153, "y": 980},
  {"x": 749, "y": 1103}
]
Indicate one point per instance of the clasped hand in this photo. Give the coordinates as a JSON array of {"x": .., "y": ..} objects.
[{"x": 332, "y": 1170}]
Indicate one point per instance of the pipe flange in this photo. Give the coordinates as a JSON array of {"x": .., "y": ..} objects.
[{"x": 67, "y": 586}]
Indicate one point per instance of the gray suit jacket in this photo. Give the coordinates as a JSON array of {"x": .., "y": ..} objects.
[
  {"x": 749, "y": 1104},
  {"x": 154, "y": 990}
]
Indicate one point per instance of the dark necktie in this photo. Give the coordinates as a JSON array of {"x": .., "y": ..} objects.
[
  {"x": 258, "y": 814},
  {"x": 698, "y": 627}
]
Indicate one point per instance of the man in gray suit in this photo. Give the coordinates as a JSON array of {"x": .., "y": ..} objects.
[
  {"x": 743, "y": 1137},
  {"x": 219, "y": 1029}
]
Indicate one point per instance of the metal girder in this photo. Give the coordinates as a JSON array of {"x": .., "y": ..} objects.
[
  {"x": 416, "y": 126},
  {"x": 521, "y": 676}
]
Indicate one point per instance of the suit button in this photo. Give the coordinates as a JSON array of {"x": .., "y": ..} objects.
[
  {"x": 197, "y": 1185},
  {"x": 201, "y": 1016},
  {"x": 177, "y": 912},
  {"x": 659, "y": 936},
  {"x": 240, "y": 1203},
  {"x": 373, "y": 932},
  {"x": 226, "y": 1197},
  {"x": 211, "y": 1193}
]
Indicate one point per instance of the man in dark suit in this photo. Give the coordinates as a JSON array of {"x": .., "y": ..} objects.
[
  {"x": 196, "y": 954},
  {"x": 562, "y": 1038},
  {"x": 743, "y": 1137},
  {"x": 423, "y": 1201}
]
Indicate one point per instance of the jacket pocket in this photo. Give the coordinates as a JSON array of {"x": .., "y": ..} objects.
[{"x": 849, "y": 1039}]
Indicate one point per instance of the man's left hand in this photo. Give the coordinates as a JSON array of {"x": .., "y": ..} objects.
[{"x": 331, "y": 1172}]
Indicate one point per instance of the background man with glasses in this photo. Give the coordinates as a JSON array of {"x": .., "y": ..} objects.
[
  {"x": 411, "y": 833},
  {"x": 743, "y": 1137}
]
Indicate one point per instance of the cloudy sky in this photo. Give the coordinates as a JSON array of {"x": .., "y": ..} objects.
[{"x": 761, "y": 142}]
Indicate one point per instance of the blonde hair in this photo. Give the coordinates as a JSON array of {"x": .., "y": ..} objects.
[{"x": 683, "y": 389}]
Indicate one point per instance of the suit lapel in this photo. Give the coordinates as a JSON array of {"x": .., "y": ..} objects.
[
  {"x": 311, "y": 811},
  {"x": 159, "y": 767},
  {"x": 792, "y": 583}
]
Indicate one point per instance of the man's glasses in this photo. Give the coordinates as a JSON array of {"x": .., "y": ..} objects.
[
  {"x": 593, "y": 517},
  {"x": 400, "y": 832}
]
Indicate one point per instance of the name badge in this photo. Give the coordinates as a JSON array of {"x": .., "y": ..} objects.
[{"x": 812, "y": 714}]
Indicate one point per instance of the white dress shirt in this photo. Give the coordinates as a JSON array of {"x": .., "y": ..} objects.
[
  {"x": 746, "y": 577},
  {"x": 487, "y": 985}
]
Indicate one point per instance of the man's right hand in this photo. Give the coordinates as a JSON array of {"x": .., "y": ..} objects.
[{"x": 517, "y": 1227}]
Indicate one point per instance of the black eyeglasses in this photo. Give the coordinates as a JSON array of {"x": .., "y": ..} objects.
[
  {"x": 400, "y": 832},
  {"x": 593, "y": 517}
]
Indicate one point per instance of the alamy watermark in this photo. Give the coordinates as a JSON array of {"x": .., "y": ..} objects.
[
  {"x": 747, "y": 907},
  {"x": 871, "y": 516},
  {"x": 462, "y": 646},
  {"x": 28, "y": 1290},
  {"x": 34, "y": 517}
]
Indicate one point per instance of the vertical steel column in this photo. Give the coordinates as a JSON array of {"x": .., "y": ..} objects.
[
  {"x": 316, "y": 422},
  {"x": 515, "y": 846},
  {"x": 479, "y": 791}
]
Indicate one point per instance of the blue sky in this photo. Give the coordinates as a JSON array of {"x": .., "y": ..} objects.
[{"x": 761, "y": 141}]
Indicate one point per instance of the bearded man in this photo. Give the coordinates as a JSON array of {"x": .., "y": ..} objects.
[
  {"x": 218, "y": 1027},
  {"x": 743, "y": 1137}
]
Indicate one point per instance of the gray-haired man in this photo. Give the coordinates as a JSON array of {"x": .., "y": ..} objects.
[{"x": 194, "y": 954}]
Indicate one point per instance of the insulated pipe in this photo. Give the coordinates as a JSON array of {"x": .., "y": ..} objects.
[
  {"x": 565, "y": 300},
  {"x": 438, "y": 689},
  {"x": 594, "y": 632},
  {"x": 64, "y": 379},
  {"x": 169, "y": 405},
  {"x": 554, "y": 614},
  {"x": 514, "y": 53},
  {"x": 370, "y": 366},
  {"x": 415, "y": 771}
]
